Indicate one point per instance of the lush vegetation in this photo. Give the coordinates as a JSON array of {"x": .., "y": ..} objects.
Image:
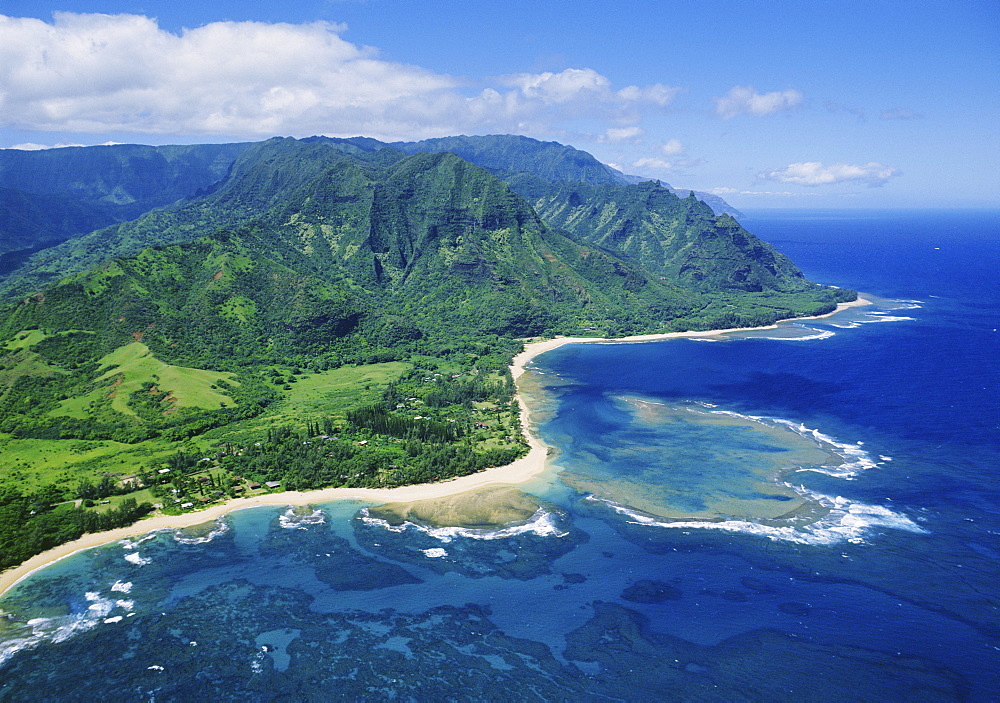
[
  {"x": 334, "y": 313},
  {"x": 32, "y": 523}
]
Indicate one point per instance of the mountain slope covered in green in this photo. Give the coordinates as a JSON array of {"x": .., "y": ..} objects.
[
  {"x": 340, "y": 312},
  {"x": 53, "y": 194},
  {"x": 61, "y": 194}
]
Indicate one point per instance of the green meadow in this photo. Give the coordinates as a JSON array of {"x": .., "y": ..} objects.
[
  {"x": 32, "y": 463},
  {"x": 315, "y": 396},
  {"x": 127, "y": 368}
]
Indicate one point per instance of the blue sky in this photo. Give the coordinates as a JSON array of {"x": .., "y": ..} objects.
[{"x": 819, "y": 104}]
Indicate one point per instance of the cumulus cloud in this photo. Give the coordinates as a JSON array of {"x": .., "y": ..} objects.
[
  {"x": 100, "y": 73},
  {"x": 672, "y": 147},
  {"x": 814, "y": 173},
  {"x": 614, "y": 135},
  {"x": 744, "y": 99},
  {"x": 652, "y": 162}
]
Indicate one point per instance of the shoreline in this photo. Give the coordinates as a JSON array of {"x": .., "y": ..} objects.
[
  {"x": 519, "y": 471},
  {"x": 533, "y": 349}
]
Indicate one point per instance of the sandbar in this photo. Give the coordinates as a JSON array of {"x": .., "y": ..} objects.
[{"x": 522, "y": 470}]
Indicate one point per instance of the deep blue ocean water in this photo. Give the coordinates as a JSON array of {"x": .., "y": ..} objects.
[{"x": 805, "y": 513}]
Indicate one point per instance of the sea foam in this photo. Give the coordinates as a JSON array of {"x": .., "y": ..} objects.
[
  {"x": 60, "y": 628},
  {"x": 221, "y": 527},
  {"x": 855, "y": 459},
  {"x": 846, "y": 521},
  {"x": 542, "y": 524},
  {"x": 290, "y": 520},
  {"x": 137, "y": 559}
]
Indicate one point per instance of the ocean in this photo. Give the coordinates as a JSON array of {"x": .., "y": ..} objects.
[{"x": 810, "y": 512}]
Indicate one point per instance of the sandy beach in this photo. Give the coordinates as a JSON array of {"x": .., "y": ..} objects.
[
  {"x": 520, "y": 471},
  {"x": 535, "y": 348}
]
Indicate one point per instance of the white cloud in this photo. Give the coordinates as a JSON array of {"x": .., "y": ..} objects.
[
  {"x": 614, "y": 135},
  {"x": 31, "y": 146},
  {"x": 563, "y": 87},
  {"x": 814, "y": 173},
  {"x": 744, "y": 99},
  {"x": 652, "y": 162},
  {"x": 122, "y": 73},
  {"x": 672, "y": 147}
]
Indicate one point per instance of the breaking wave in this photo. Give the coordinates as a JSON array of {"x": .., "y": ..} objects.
[
  {"x": 841, "y": 519},
  {"x": 292, "y": 520},
  {"x": 854, "y": 458},
  {"x": 99, "y": 609},
  {"x": 845, "y": 521},
  {"x": 188, "y": 536},
  {"x": 542, "y": 524}
]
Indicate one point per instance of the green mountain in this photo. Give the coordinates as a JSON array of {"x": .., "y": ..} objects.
[
  {"x": 681, "y": 240},
  {"x": 434, "y": 228},
  {"x": 511, "y": 156},
  {"x": 507, "y": 153},
  {"x": 56, "y": 195},
  {"x": 318, "y": 254},
  {"x": 74, "y": 190},
  {"x": 327, "y": 312}
]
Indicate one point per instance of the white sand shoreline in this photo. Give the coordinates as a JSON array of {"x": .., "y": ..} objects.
[{"x": 527, "y": 467}]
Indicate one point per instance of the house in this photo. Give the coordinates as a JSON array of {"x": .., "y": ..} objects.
[{"x": 272, "y": 484}]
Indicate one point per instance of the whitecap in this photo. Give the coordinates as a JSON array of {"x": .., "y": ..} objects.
[
  {"x": 116, "y": 618},
  {"x": 137, "y": 559},
  {"x": 289, "y": 520},
  {"x": 819, "y": 334},
  {"x": 845, "y": 521},
  {"x": 58, "y": 628},
  {"x": 885, "y": 317},
  {"x": 542, "y": 524},
  {"x": 855, "y": 459},
  {"x": 121, "y": 586},
  {"x": 221, "y": 527},
  {"x": 134, "y": 543},
  {"x": 99, "y": 607},
  {"x": 434, "y": 553}
]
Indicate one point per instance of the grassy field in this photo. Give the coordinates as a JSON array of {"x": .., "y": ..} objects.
[
  {"x": 136, "y": 365},
  {"x": 329, "y": 394},
  {"x": 30, "y": 464},
  {"x": 25, "y": 339}
]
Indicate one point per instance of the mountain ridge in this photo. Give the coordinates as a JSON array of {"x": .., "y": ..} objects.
[{"x": 88, "y": 188}]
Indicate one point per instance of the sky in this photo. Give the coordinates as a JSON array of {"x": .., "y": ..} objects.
[{"x": 769, "y": 104}]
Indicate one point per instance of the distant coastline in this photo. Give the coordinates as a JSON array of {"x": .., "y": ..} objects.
[{"x": 527, "y": 467}]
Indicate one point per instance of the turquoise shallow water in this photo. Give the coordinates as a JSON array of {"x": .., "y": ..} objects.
[{"x": 808, "y": 513}]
